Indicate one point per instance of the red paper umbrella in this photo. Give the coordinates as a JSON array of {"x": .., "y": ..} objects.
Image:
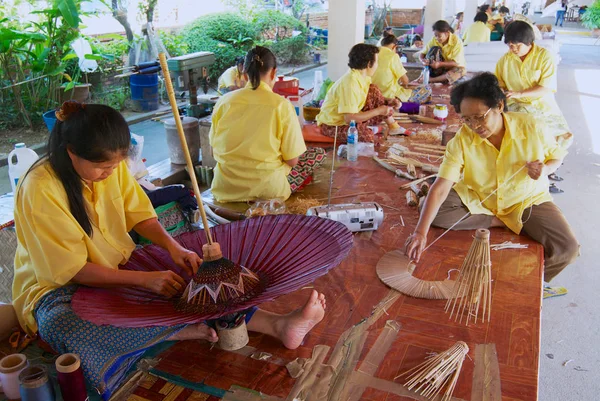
[{"x": 286, "y": 252}]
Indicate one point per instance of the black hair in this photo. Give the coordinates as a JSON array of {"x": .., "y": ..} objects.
[
  {"x": 481, "y": 17},
  {"x": 94, "y": 132},
  {"x": 484, "y": 87},
  {"x": 484, "y": 8},
  {"x": 442, "y": 26},
  {"x": 362, "y": 56},
  {"x": 504, "y": 10},
  {"x": 259, "y": 61},
  {"x": 417, "y": 37},
  {"x": 519, "y": 32},
  {"x": 388, "y": 39},
  {"x": 239, "y": 60},
  {"x": 388, "y": 28},
  {"x": 460, "y": 14}
]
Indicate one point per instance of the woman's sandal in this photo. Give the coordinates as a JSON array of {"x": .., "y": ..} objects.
[
  {"x": 555, "y": 190},
  {"x": 555, "y": 177}
]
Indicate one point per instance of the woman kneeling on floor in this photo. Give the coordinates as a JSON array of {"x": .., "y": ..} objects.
[
  {"x": 257, "y": 139},
  {"x": 73, "y": 212},
  {"x": 496, "y": 169},
  {"x": 444, "y": 54},
  {"x": 354, "y": 97}
]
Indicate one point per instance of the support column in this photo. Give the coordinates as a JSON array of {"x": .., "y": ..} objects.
[
  {"x": 434, "y": 11},
  {"x": 346, "y": 24},
  {"x": 470, "y": 11}
]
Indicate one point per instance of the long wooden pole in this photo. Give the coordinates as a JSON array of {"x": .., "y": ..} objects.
[{"x": 186, "y": 151}]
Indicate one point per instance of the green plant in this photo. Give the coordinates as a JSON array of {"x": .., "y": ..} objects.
[
  {"x": 174, "y": 43},
  {"x": 292, "y": 50},
  {"x": 591, "y": 16},
  {"x": 241, "y": 42},
  {"x": 115, "y": 98},
  {"x": 213, "y": 33},
  {"x": 115, "y": 48},
  {"x": 275, "y": 25}
]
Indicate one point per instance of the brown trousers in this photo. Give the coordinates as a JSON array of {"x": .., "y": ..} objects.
[{"x": 544, "y": 223}]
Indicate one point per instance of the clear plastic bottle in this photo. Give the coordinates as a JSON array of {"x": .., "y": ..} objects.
[
  {"x": 426, "y": 75},
  {"x": 352, "y": 142}
]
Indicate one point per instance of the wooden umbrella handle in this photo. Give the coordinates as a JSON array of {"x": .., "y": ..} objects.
[{"x": 186, "y": 151}]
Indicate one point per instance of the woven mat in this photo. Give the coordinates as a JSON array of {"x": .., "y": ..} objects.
[{"x": 8, "y": 247}]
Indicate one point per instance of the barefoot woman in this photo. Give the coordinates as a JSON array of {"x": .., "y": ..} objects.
[
  {"x": 496, "y": 168},
  {"x": 444, "y": 55},
  {"x": 73, "y": 212}
]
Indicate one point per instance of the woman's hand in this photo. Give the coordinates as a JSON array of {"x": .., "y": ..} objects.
[
  {"x": 165, "y": 283},
  {"x": 535, "y": 169},
  {"x": 385, "y": 111},
  {"x": 435, "y": 65},
  {"x": 415, "y": 244},
  {"x": 424, "y": 61},
  {"x": 186, "y": 259},
  {"x": 395, "y": 103}
]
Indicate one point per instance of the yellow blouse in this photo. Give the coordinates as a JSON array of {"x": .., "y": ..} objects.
[
  {"x": 478, "y": 168},
  {"x": 477, "y": 33},
  {"x": 496, "y": 18},
  {"x": 253, "y": 132},
  {"x": 52, "y": 246},
  {"x": 231, "y": 77},
  {"x": 538, "y": 68},
  {"x": 453, "y": 50},
  {"x": 389, "y": 71},
  {"x": 346, "y": 96}
]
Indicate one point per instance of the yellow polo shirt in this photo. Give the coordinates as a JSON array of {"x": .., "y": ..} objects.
[
  {"x": 231, "y": 77},
  {"x": 346, "y": 96},
  {"x": 495, "y": 18},
  {"x": 453, "y": 50},
  {"x": 253, "y": 132},
  {"x": 477, "y": 33},
  {"x": 389, "y": 71},
  {"x": 478, "y": 168},
  {"x": 538, "y": 68},
  {"x": 52, "y": 246}
]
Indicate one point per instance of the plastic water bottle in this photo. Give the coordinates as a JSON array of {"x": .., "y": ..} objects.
[
  {"x": 19, "y": 161},
  {"x": 317, "y": 84},
  {"x": 426, "y": 75},
  {"x": 299, "y": 107},
  {"x": 352, "y": 142}
]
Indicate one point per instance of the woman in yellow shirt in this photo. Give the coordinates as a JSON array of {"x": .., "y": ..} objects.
[
  {"x": 257, "y": 139},
  {"x": 494, "y": 174},
  {"x": 478, "y": 32},
  {"x": 354, "y": 97},
  {"x": 234, "y": 77},
  {"x": 527, "y": 73},
  {"x": 444, "y": 55},
  {"x": 390, "y": 76},
  {"x": 73, "y": 211}
]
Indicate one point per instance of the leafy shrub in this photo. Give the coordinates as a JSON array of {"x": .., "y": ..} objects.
[
  {"x": 219, "y": 33},
  {"x": 174, "y": 43},
  {"x": 274, "y": 25},
  {"x": 115, "y": 51},
  {"x": 291, "y": 51}
]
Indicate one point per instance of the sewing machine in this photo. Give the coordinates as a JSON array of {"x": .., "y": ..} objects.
[{"x": 190, "y": 72}]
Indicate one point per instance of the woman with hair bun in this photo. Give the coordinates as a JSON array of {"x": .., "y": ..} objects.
[
  {"x": 495, "y": 169},
  {"x": 391, "y": 76},
  {"x": 257, "y": 139},
  {"x": 74, "y": 210},
  {"x": 444, "y": 55}
]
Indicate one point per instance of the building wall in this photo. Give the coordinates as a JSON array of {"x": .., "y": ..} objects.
[{"x": 398, "y": 17}]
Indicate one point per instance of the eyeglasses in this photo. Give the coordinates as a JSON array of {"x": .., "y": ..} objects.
[{"x": 475, "y": 121}]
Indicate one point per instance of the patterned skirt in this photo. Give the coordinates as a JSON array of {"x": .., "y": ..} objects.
[
  {"x": 301, "y": 175},
  {"x": 452, "y": 75},
  {"x": 365, "y": 134},
  {"x": 107, "y": 353}
]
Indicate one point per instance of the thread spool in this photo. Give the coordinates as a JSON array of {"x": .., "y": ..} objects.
[
  {"x": 232, "y": 339},
  {"x": 36, "y": 384},
  {"x": 10, "y": 368},
  {"x": 424, "y": 189},
  {"x": 411, "y": 199},
  {"x": 70, "y": 378},
  {"x": 412, "y": 170}
]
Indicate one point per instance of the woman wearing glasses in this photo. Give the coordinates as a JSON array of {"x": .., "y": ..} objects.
[{"x": 495, "y": 169}]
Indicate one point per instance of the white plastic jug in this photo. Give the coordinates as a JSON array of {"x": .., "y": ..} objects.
[{"x": 19, "y": 161}]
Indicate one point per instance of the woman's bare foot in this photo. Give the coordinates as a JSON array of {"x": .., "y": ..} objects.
[
  {"x": 198, "y": 331},
  {"x": 295, "y": 326}
]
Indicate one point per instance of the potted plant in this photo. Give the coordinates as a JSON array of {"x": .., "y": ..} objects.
[{"x": 591, "y": 18}]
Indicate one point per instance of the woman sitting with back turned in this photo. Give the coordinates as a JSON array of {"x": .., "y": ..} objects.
[
  {"x": 354, "y": 97},
  {"x": 74, "y": 210},
  {"x": 478, "y": 32},
  {"x": 495, "y": 169},
  {"x": 444, "y": 55},
  {"x": 527, "y": 73},
  {"x": 257, "y": 139},
  {"x": 390, "y": 76}
]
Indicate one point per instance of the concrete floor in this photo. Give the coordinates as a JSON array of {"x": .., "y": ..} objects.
[{"x": 570, "y": 325}]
